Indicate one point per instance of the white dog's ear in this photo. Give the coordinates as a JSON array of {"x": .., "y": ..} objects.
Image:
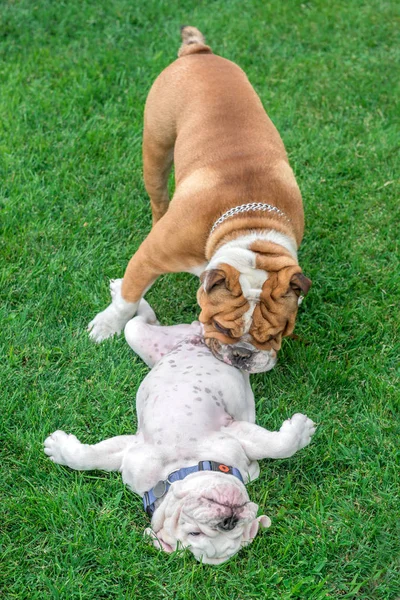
[
  {"x": 264, "y": 521},
  {"x": 158, "y": 542},
  {"x": 252, "y": 529}
]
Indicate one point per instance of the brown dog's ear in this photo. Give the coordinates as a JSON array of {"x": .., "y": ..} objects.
[
  {"x": 300, "y": 284},
  {"x": 212, "y": 278}
]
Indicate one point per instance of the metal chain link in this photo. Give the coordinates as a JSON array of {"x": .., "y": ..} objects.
[{"x": 253, "y": 206}]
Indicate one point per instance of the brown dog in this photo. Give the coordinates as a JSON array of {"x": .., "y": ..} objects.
[{"x": 236, "y": 217}]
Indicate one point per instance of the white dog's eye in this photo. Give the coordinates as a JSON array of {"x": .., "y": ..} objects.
[{"x": 195, "y": 533}]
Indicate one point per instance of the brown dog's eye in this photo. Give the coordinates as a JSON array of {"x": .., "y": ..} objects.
[{"x": 221, "y": 329}]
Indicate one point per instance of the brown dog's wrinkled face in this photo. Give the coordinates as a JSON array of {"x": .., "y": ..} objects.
[
  {"x": 247, "y": 332},
  {"x": 210, "y": 514}
]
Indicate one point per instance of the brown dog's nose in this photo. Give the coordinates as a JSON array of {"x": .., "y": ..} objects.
[{"x": 229, "y": 523}]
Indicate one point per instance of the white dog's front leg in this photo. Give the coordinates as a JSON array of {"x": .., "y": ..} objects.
[
  {"x": 259, "y": 443},
  {"x": 65, "y": 449},
  {"x": 113, "y": 319}
]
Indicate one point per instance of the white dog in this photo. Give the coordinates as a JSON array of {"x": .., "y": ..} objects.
[{"x": 195, "y": 446}]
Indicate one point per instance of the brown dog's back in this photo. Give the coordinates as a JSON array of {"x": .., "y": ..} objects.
[{"x": 205, "y": 113}]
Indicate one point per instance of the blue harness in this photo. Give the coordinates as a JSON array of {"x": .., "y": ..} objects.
[{"x": 162, "y": 487}]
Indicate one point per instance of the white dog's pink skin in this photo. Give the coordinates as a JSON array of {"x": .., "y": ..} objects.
[{"x": 191, "y": 407}]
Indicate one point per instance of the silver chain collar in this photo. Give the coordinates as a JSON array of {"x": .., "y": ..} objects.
[{"x": 252, "y": 207}]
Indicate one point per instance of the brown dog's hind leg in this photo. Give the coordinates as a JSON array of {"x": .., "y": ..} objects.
[
  {"x": 159, "y": 134},
  {"x": 164, "y": 106},
  {"x": 157, "y": 162}
]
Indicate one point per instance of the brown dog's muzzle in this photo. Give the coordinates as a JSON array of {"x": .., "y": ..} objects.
[{"x": 243, "y": 355}]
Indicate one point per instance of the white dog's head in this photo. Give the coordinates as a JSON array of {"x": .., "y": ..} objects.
[{"x": 210, "y": 514}]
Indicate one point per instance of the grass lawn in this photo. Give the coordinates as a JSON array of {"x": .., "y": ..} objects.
[{"x": 74, "y": 76}]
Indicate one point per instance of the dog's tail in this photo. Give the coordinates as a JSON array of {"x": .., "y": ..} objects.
[{"x": 193, "y": 42}]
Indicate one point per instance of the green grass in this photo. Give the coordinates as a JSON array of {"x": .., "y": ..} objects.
[{"x": 73, "y": 80}]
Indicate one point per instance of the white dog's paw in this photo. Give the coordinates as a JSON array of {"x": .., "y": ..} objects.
[
  {"x": 300, "y": 428},
  {"x": 147, "y": 313},
  {"x": 106, "y": 324},
  {"x": 62, "y": 447}
]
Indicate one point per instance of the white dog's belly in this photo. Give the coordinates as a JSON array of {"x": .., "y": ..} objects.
[{"x": 189, "y": 392}]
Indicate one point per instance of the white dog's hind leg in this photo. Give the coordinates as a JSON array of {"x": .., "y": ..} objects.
[
  {"x": 259, "y": 443},
  {"x": 147, "y": 313},
  {"x": 152, "y": 341},
  {"x": 113, "y": 319},
  {"x": 65, "y": 449}
]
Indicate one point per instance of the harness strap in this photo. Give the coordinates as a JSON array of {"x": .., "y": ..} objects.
[{"x": 162, "y": 487}]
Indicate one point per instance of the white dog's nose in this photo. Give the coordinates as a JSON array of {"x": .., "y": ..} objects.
[{"x": 228, "y": 523}]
